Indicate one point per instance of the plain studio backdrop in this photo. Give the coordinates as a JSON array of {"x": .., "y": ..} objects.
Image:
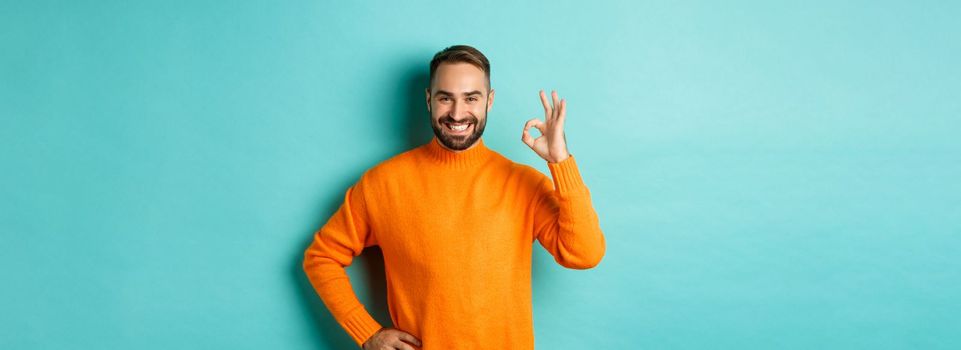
[{"x": 767, "y": 175}]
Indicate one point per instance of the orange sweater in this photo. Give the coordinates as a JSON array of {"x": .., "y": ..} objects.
[{"x": 456, "y": 231}]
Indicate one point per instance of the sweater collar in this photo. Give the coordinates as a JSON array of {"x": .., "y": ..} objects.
[{"x": 464, "y": 159}]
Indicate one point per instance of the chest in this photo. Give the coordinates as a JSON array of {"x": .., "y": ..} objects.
[{"x": 456, "y": 223}]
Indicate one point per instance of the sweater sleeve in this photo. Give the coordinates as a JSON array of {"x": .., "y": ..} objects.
[
  {"x": 335, "y": 245},
  {"x": 565, "y": 222}
]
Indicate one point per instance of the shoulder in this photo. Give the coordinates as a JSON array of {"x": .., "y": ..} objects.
[
  {"x": 525, "y": 175},
  {"x": 400, "y": 163},
  {"x": 528, "y": 173}
]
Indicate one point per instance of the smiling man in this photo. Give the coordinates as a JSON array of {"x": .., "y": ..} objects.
[
  {"x": 464, "y": 94},
  {"x": 456, "y": 222}
]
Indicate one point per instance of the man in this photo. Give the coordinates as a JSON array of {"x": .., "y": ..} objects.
[{"x": 456, "y": 223}]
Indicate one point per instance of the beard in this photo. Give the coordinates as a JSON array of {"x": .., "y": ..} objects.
[{"x": 458, "y": 142}]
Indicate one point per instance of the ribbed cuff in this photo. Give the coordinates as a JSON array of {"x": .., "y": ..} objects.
[
  {"x": 361, "y": 326},
  {"x": 567, "y": 179}
]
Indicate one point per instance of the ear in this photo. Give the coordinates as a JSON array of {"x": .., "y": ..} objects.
[
  {"x": 490, "y": 100},
  {"x": 427, "y": 98}
]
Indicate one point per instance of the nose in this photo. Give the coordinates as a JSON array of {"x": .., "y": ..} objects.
[{"x": 456, "y": 110}]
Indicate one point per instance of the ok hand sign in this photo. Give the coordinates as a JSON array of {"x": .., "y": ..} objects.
[{"x": 551, "y": 145}]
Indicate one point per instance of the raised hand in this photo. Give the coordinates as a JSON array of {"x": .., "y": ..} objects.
[{"x": 551, "y": 145}]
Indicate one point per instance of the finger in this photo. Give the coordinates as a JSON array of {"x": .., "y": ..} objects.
[
  {"x": 525, "y": 135},
  {"x": 527, "y": 139},
  {"x": 410, "y": 338},
  {"x": 402, "y": 346},
  {"x": 542, "y": 127},
  {"x": 547, "y": 108},
  {"x": 555, "y": 103},
  {"x": 561, "y": 115},
  {"x": 537, "y": 123}
]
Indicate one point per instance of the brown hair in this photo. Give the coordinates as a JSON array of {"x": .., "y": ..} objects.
[{"x": 459, "y": 54}]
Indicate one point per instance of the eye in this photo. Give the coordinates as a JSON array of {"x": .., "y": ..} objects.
[
  {"x": 472, "y": 99},
  {"x": 444, "y": 98}
]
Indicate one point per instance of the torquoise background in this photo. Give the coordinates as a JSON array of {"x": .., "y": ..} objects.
[{"x": 768, "y": 175}]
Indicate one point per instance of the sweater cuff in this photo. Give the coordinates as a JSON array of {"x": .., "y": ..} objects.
[
  {"x": 567, "y": 179},
  {"x": 361, "y": 326}
]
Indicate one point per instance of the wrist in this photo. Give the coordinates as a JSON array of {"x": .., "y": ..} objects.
[
  {"x": 366, "y": 342},
  {"x": 559, "y": 159}
]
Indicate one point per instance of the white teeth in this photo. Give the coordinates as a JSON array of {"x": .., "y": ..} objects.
[{"x": 459, "y": 127}]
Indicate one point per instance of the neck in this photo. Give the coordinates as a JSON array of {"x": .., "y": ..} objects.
[{"x": 474, "y": 155}]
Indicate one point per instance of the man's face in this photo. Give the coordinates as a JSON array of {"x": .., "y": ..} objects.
[{"x": 458, "y": 101}]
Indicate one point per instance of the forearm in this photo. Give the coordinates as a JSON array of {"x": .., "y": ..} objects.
[
  {"x": 330, "y": 281},
  {"x": 578, "y": 242}
]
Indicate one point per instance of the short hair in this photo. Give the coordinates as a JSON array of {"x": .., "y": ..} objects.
[{"x": 460, "y": 54}]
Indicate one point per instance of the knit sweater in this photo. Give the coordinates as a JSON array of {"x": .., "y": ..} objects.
[{"x": 456, "y": 230}]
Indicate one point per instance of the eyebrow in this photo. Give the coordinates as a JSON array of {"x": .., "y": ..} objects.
[{"x": 448, "y": 93}]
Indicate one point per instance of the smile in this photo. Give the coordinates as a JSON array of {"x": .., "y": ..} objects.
[{"x": 458, "y": 128}]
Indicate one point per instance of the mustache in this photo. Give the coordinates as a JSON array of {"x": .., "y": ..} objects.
[{"x": 448, "y": 119}]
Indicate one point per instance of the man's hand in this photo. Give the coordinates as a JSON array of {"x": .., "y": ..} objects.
[
  {"x": 388, "y": 338},
  {"x": 551, "y": 145}
]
